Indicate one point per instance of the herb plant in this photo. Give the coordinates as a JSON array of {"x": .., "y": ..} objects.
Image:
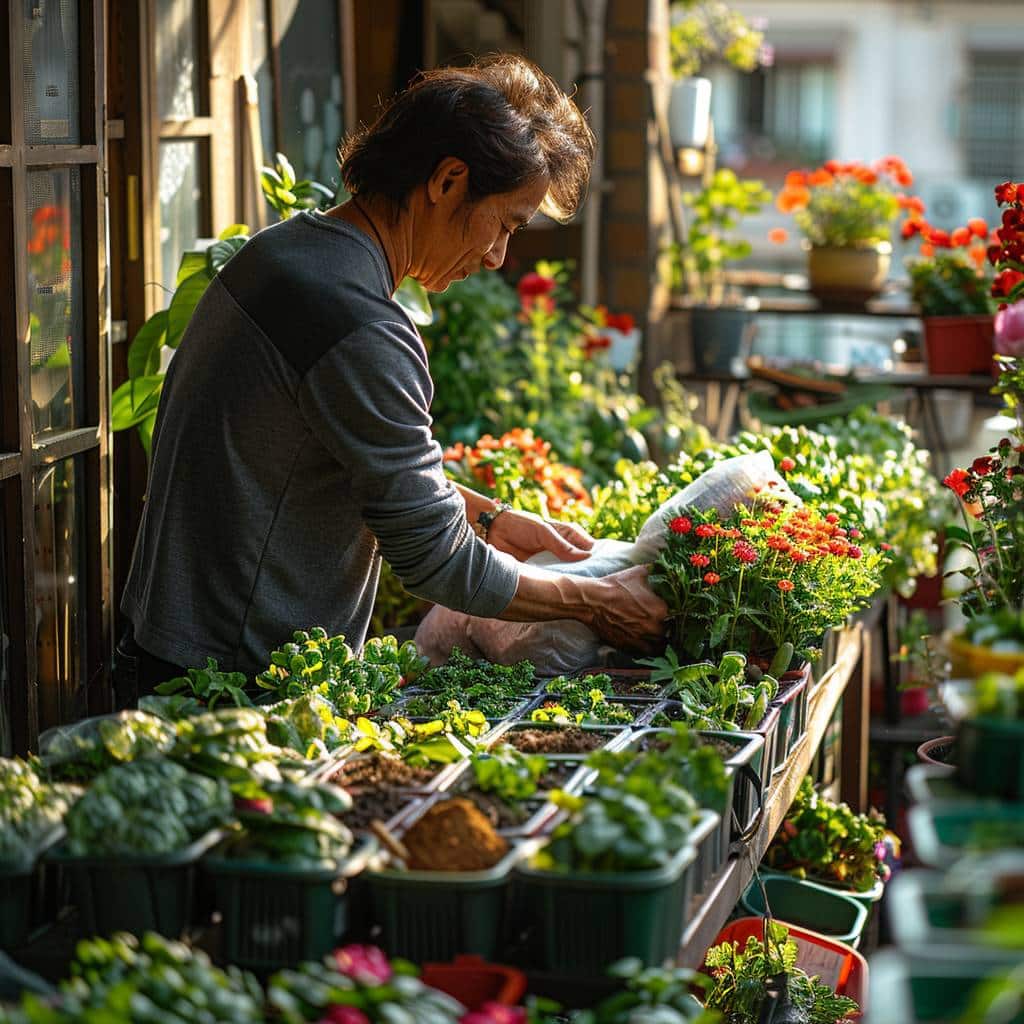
[
  {"x": 825, "y": 841},
  {"x": 577, "y": 707},
  {"x": 145, "y": 808},
  {"x": 729, "y": 696},
  {"x": 651, "y": 994},
  {"x": 30, "y": 809},
  {"x": 208, "y": 686},
  {"x": 506, "y": 772},
  {"x": 493, "y": 690},
  {"x": 740, "y": 977},
  {"x": 308, "y": 725}
]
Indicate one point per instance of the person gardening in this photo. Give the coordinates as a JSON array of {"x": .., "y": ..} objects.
[{"x": 293, "y": 447}]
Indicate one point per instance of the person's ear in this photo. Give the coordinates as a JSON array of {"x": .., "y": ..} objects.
[{"x": 449, "y": 181}]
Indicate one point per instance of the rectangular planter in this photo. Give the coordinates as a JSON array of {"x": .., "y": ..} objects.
[
  {"x": 927, "y": 782},
  {"x": 942, "y": 831},
  {"x": 750, "y": 781},
  {"x": 578, "y": 924},
  {"x": 434, "y": 915},
  {"x": 808, "y": 905},
  {"x": 134, "y": 894},
  {"x": 27, "y": 895},
  {"x": 274, "y": 916},
  {"x": 613, "y": 736},
  {"x": 706, "y": 839},
  {"x": 792, "y": 704}
]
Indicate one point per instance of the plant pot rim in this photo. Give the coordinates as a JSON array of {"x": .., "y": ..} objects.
[
  {"x": 925, "y": 749},
  {"x": 953, "y": 319},
  {"x": 882, "y": 248}
]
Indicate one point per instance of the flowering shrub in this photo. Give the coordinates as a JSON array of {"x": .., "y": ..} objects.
[
  {"x": 950, "y": 278},
  {"x": 1006, "y": 253},
  {"x": 991, "y": 493},
  {"x": 521, "y": 469},
  {"x": 823, "y": 840},
  {"x": 847, "y": 204},
  {"x": 762, "y": 578}
]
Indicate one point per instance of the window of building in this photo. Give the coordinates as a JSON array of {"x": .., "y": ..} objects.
[{"x": 994, "y": 117}]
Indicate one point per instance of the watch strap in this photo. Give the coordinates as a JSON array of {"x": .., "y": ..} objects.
[{"x": 485, "y": 519}]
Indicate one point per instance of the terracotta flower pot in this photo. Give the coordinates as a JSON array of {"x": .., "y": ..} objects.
[
  {"x": 934, "y": 752},
  {"x": 848, "y": 273},
  {"x": 959, "y": 344}
]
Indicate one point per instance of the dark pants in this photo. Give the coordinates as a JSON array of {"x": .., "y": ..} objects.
[{"x": 136, "y": 672}]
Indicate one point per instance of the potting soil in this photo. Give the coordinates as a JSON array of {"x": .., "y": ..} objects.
[
  {"x": 453, "y": 836},
  {"x": 555, "y": 741}
]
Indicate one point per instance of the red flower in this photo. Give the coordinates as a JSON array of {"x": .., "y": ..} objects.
[
  {"x": 535, "y": 284},
  {"x": 785, "y": 586},
  {"x": 744, "y": 551},
  {"x": 831, "y": 518},
  {"x": 344, "y": 1015},
  {"x": 711, "y": 578},
  {"x": 364, "y": 964},
  {"x": 1006, "y": 193},
  {"x": 885, "y": 547},
  {"x": 798, "y": 556},
  {"x": 1006, "y": 281},
  {"x": 778, "y": 236},
  {"x": 961, "y": 236},
  {"x": 700, "y": 561},
  {"x": 778, "y": 543},
  {"x": 958, "y": 482},
  {"x": 786, "y": 464},
  {"x": 938, "y": 238},
  {"x": 982, "y": 466},
  {"x": 705, "y": 530},
  {"x": 681, "y": 524},
  {"x": 620, "y": 322},
  {"x": 853, "y": 551},
  {"x": 978, "y": 227},
  {"x": 909, "y": 228}
]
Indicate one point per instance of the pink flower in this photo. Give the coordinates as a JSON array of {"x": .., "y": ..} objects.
[
  {"x": 344, "y": 1015},
  {"x": 853, "y": 551},
  {"x": 1009, "y": 339},
  {"x": 364, "y": 964}
]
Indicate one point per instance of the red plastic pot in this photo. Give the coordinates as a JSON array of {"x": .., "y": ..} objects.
[
  {"x": 959, "y": 344},
  {"x": 475, "y": 981}
]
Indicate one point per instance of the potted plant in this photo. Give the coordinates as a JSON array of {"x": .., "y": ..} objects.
[
  {"x": 990, "y": 739},
  {"x": 951, "y": 287},
  {"x": 845, "y": 212},
  {"x": 699, "y": 32},
  {"x": 993, "y": 534},
  {"x": 721, "y": 327}
]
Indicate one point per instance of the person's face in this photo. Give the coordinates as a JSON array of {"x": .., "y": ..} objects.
[{"x": 465, "y": 236}]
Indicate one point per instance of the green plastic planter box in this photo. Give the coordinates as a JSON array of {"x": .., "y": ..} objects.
[
  {"x": 936, "y": 990},
  {"x": 706, "y": 838},
  {"x": 24, "y": 893},
  {"x": 991, "y": 757},
  {"x": 134, "y": 894},
  {"x": 434, "y": 915},
  {"x": 274, "y": 915},
  {"x": 747, "y": 767},
  {"x": 942, "y": 830},
  {"x": 792, "y": 704},
  {"x": 580, "y": 923},
  {"x": 927, "y": 782},
  {"x": 934, "y": 912},
  {"x": 808, "y": 905}
]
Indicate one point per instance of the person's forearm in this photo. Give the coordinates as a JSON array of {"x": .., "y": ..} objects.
[
  {"x": 543, "y": 596},
  {"x": 475, "y": 503}
]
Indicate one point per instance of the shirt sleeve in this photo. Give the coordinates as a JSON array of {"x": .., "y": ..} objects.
[{"x": 367, "y": 400}]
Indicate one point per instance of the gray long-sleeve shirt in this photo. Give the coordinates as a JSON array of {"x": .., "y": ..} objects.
[{"x": 292, "y": 449}]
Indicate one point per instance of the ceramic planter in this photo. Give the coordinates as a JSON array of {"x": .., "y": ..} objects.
[
  {"x": 720, "y": 335},
  {"x": 689, "y": 112},
  {"x": 934, "y": 753},
  {"x": 849, "y": 274},
  {"x": 959, "y": 344}
]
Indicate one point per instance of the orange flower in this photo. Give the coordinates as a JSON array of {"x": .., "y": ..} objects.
[
  {"x": 927, "y": 250},
  {"x": 960, "y": 236},
  {"x": 793, "y": 198},
  {"x": 778, "y": 235},
  {"x": 865, "y": 176},
  {"x": 794, "y": 179},
  {"x": 820, "y": 177},
  {"x": 978, "y": 227}
]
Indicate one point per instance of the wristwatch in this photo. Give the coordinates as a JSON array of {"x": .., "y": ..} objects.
[{"x": 485, "y": 519}]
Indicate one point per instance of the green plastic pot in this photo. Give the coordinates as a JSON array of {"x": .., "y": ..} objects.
[
  {"x": 931, "y": 911},
  {"x": 746, "y": 765},
  {"x": 991, "y": 757},
  {"x": 807, "y": 905},
  {"x": 580, "y": 923},
  {"x": 926, "y": 782},
  {"x": 941, "y": 831},
  {"x": 25, "y": 890},
  {"x": 867, "y": 899},
  {"x": 936, "y": 990},
  {"x": 274, "y": 915},
  {"x": 434, "y": 915},
  {"x": 134, "y": 894}
]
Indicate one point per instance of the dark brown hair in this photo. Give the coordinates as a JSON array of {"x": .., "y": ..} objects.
[{"x": 507, "y": 120}]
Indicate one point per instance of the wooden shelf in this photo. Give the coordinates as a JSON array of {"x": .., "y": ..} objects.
[{"x": 710, "y": 910}]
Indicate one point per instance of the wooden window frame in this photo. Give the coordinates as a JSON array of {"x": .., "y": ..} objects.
[{"x": 22, "y": 455}]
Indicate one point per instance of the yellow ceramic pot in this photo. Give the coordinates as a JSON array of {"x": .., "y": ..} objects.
[
  {"x": 970, "y": 660},
  {"x": 848, "y": 273}
]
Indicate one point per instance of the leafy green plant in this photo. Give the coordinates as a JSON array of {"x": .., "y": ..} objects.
[
  {"x": 506, "y": 772},
  {"x": 720, "y": 696},
  {"x": 308, "y": 724},
  {"x": 820, "y": 839},
  {"x": 208, "y": 686},
  {"x": 30, "y": 809},
  {"x": 146, "y": 807},
  {"x": 947, "y": 284},
  {"x": 741, "y": 976},
  {"x": 715, "y": 213},
  {"x": 703, "y": 30},
  {"x": 651, "y": 994},
  {"x": 286, "y": 194},
  {"x": 579, "y": 704},
  {"x": 480, "y": 685}
]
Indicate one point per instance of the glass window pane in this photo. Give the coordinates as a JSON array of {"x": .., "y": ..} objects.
[
  {"x": 55, "y": 298},
  {"x": 60, "y": 590},
  {"x": 262, "y": 71},
  {"x": 310, "y": 86},
  {"x": 177, "y": 71},
  {"x": 180, "y": 205},
  {"x": 50, "y": 71},
  {"x": 6, "y": 639}
]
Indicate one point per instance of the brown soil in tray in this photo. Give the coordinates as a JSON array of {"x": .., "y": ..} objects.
[
  {"x": 453, "y": 836},
  {"x": 558, "y": 774},
  {"x": 381, "y": 771},
  {"x": 368, "y": 804},
  {"x": 498, "y": 812},
  {"x": 652, "y": 742},
  {"x": 555, "y": 741}
]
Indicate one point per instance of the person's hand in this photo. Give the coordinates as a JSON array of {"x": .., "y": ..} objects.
[
  {"x": 629, "y": 615},
  {"x": 523, "y": 534}
]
